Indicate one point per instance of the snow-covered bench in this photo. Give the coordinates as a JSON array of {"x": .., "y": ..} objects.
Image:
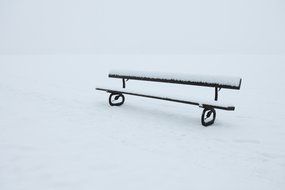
[{"x": 117, "y": 98}]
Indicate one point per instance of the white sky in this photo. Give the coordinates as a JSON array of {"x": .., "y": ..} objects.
[{"x": 145, "y": 26}]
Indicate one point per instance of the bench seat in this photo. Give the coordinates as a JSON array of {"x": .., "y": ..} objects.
[
  {"x": 199, "y": 80},
  {"x": 200, "y": 103}
]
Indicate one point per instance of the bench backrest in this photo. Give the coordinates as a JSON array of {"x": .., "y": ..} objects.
[{"x": 198, "y": 80}]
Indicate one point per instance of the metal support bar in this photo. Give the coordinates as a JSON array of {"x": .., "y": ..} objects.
[
  {"x": 216, "y": 93},
  {"x": 217, "y": 89},
  {"x": 229, "y": 108},
  {"x": 124, "y": 83}
]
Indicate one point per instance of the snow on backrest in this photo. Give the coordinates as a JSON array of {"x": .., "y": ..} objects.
[{"x": 201, "y": 80}]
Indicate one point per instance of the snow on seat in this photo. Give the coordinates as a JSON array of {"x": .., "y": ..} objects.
[
  {"x": 200, "y": 103},
  {"x": 200, "y": 80}
]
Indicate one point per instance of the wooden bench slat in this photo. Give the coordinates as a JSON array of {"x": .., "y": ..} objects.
[
  {"x": 216, "y": 105},
  {"x": 199, "y": 80}
]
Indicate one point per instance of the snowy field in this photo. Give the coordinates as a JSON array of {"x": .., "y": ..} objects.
[{"x": 57, "y": 132}]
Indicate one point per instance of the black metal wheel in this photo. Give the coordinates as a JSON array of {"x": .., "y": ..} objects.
[
  {"x": 116, "y": 99},
  {"x": 208, "y": 116}
]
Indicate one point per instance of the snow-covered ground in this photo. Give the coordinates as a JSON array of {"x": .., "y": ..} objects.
[{"x": 57, "y": 132}]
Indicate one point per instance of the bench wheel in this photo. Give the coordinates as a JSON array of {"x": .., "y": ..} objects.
[
  {"x": 116, "y": 99},
  {"x": 208, "y": 116}
]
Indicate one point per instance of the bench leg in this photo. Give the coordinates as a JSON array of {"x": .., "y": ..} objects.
[
  {"x": 208, "y": 116},
  {"x": 116, "y": 99}
]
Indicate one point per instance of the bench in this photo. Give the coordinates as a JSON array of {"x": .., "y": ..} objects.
[{"x": 208, "y": 117}]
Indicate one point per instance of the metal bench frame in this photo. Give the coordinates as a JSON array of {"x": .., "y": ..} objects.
[{"x": 117, "y": 98}]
